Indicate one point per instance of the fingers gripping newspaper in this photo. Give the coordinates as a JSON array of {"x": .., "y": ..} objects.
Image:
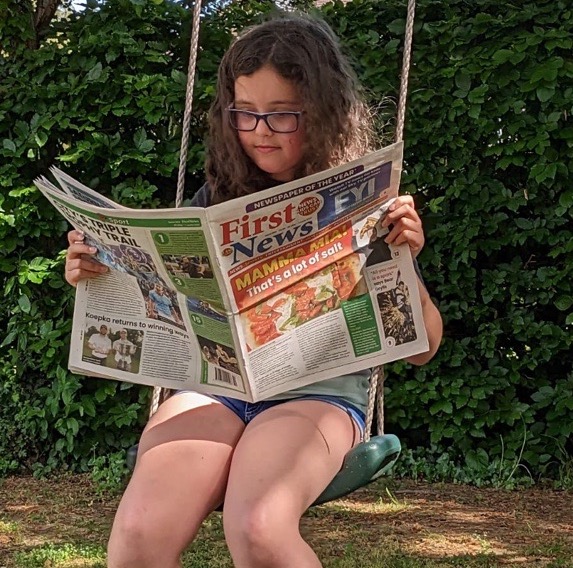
[{"x": 248, "y": 298}]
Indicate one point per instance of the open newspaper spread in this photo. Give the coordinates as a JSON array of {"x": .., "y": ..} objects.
[{"x": 251, "y": 297}]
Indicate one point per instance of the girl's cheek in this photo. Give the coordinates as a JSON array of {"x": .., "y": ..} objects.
[{"x": 242, "y": 139}]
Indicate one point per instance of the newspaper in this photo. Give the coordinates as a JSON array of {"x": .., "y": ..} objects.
[{"x": 249, "y": 298}]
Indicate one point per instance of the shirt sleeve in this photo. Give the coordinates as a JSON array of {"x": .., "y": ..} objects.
[{"x": 202, "y": 198}]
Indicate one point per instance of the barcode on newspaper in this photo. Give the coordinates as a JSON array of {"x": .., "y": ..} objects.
[{"x": 225, "y": 377}]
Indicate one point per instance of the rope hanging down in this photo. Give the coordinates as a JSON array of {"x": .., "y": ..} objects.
[
  {"x": 160, "y": 394},
  {"x": 377, "y": 376},
  {"x": 405, "y": 70},
  {"x": 188, "y": 102}
]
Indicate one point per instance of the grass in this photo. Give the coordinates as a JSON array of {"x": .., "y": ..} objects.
[
  {"x": 8, "y": 527},
  {"x": 65, "y": 555},
  {"x": 64, "y": 523}
]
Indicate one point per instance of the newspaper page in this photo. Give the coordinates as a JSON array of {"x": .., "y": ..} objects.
[
  {"x": 82, "y": 192},
  {"x": 317, "y": 291},
  {"x": 159, "y": 316},
  {"x": 248, "y": 298}
]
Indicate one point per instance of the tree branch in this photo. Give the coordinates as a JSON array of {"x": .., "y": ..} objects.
[{"x": 45, "y": 11}]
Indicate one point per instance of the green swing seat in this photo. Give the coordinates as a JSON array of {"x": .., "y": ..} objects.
[{"x": 363, "y": 464}]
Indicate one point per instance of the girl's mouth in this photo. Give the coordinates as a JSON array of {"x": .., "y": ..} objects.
[{"x": 266, "y": 149}]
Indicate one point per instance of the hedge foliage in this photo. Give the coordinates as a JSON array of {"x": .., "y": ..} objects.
[{"x": 488, "y": 156}]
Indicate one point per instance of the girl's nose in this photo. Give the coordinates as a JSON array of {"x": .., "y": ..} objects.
[{"x": 263, "y": 128}]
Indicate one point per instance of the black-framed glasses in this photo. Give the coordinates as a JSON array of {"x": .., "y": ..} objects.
[{"x": 281, "y": 122}]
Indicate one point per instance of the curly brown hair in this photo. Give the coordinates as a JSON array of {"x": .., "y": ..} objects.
[{"x": 305, "y": 51}]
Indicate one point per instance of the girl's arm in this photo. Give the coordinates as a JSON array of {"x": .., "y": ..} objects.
[
  {"x": 433, "y": 324},
  {"x": 79, "y": 264},
  {"x": 406, "y": 227}
]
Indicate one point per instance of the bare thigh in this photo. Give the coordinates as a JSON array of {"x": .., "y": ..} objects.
[
  {"x": 180, "y": 475},
  {"x": 287, "y": 456}
]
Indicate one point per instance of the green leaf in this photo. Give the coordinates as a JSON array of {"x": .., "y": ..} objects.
[
  {"x": 463, "y": 81},
  {"x": 41, "y": 138},
  {"x": 9, "y": 338},
  {"x": 24, "y": 303},
  {"x": 441, "y": 406},
  {"x": 142, "y": 143},
  {"x": 397, "y": 27},
  {"x": 524, "y": 224},
  {"x": 502, "y": 56},
  {"x": 563, "y": 303},
  {"x": 95, "y": 72},
  {"x": 72, "y": 425},
  {"x": 7, "y": 144},
  {"x": 477, "y": 459},
  {"x": 545, "y": 93},
  {"x": 566, "y": 198}
]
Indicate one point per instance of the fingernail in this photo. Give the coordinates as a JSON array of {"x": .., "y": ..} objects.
[{"x": 93, "y": 249}]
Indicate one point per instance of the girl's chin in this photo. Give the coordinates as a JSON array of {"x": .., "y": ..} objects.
[
  {"x": 282, "y": 176},
  {"x": 273, "y": 167},
  {"x": 276, "y": 173}
]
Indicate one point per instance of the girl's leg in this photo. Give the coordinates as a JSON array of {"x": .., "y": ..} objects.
[
  {"x": 283, "y": 461},
  {"x": 180, "y": 477}
]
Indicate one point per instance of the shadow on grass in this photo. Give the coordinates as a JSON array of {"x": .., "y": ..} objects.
[{"x": 63, "y": 523}]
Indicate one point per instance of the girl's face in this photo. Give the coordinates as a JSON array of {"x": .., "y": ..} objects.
[{"x": 277, "y": 154}]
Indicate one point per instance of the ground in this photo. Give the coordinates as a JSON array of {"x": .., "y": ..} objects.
[{"x": 65, "y": 522}]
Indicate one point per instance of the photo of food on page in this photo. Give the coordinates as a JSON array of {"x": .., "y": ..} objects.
[{"x": 321, "y": 293}]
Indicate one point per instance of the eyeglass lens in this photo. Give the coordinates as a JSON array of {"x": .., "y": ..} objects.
[{"x": 276, "y": 121}]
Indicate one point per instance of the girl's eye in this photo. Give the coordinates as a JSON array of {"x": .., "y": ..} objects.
[
  {"x": 281, "y": 122},
  {"x": 244, "y": 119}
]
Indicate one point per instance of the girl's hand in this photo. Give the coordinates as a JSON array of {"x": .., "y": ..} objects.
[
  {"x": 79, "y": 264},
  {"x": 406, "y": 224}
]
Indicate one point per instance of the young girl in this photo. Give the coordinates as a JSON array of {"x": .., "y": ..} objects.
[{"x": 286, "y": 106}]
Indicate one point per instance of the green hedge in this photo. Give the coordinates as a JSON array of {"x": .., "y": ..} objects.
[{"x": 488, "y": 155}]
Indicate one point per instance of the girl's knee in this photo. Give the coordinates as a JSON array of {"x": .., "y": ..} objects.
[
  {"x": 257, "y": 533},
  {"x": 133, "y": 543}
]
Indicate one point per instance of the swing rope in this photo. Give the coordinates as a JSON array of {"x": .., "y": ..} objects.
[
  {"x": 376, "y": 389},
  {"x": 406, "y": 58},
  {"x": 160, "y": 394},
  {"x": 193, "y": 52}
]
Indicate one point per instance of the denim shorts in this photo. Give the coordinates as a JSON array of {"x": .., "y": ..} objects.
[{"x": 246, "y": 411}]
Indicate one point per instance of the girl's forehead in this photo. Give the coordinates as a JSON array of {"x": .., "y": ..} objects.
[{"x": 265, "y": 85}]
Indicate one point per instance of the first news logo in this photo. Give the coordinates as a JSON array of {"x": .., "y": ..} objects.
[{"x": 241, "y": 235}]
